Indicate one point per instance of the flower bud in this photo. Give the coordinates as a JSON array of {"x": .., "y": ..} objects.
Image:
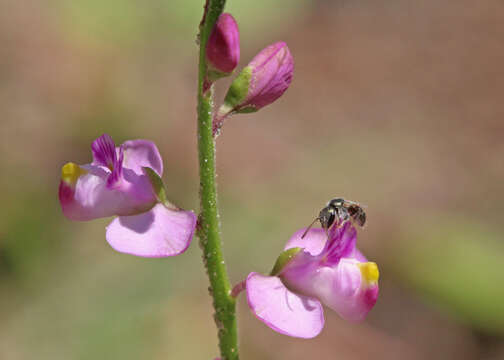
[
  {"x": 262, "y": 81},
  {"x": 223, "y": 47}
]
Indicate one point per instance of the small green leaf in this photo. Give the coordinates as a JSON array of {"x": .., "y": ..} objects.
[
  {"x": 214, "y": 75},
  {"x": 158, "y": 187},
  {"x": 246, "y": 110},
  {"x": 284, "y": 258},
  {"x": 239, "y": 88}
]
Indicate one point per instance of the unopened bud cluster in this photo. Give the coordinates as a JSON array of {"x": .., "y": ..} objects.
[{"x": 260, "y": 83}]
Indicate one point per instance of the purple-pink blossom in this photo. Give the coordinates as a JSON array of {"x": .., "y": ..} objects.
[
  {"x": 116, "y": 182},
  {"x": 318, "y": 270}
]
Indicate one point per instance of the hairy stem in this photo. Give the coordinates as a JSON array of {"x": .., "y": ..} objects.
[{"x": 209, "y": 232}]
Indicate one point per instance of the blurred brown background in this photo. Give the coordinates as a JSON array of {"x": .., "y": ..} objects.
[{"x": 396, "y": 104}]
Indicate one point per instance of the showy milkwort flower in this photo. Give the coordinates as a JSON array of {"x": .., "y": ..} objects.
[
  {"x": 311, "y": 271},
  {"x": 126, "y": 181},
  {"x": 260, "y": 83}
]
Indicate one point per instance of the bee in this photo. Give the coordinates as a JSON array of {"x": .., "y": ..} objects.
[{"x": 339, "y": 210}]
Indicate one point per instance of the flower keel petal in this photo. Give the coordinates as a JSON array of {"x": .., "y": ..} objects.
[
  {"x": 350, "y": 289},
  {"x": 90, "y": 197}
]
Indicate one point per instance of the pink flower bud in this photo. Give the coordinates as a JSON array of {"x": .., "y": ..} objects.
[
  {"x": 223, "y": 47},
  {"x": 262, "y": 81}
]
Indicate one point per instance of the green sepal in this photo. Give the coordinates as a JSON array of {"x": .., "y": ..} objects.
[
  {"x": 284, "y": 258},
  {"x": 214, "y": 75},
  {"x": 239, "y": 88},
  {"x": 246, "y": 110},
  {"x": 158, "y": 187}
]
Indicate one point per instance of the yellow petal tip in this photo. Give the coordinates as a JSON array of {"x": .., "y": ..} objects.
[
  {"x": 70, "y": 172},
  {"x": 369, "y": 271}
]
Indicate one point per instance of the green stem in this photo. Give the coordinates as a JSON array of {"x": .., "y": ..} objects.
[{"x": 208, "y": 231}]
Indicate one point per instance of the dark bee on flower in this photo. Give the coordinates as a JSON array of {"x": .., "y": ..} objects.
[{"x": 338, "y": 211}]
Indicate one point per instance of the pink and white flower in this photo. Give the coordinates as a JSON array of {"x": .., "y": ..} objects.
[
  {"x": 312, "y": 271},
  {"x": 125, "y": 181}
]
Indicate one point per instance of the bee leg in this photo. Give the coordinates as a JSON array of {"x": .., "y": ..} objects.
[
  {"x": 343, "y": 215},
  {"x": 327, "y": 232}
]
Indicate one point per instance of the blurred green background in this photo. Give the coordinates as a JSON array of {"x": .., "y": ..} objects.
[{"x": 396, "y": 104}]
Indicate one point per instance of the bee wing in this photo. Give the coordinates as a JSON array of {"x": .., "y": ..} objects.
[{"x": 350, "y": 202}]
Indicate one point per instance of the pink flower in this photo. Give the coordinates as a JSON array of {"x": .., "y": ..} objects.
[
  {"x": 311, "y": 272},
  {"x": 126, "y": 181},
  {"x": 223, "y": 46}
]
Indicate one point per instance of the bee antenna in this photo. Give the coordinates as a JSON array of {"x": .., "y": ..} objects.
[{"x": 309, "y": 227}]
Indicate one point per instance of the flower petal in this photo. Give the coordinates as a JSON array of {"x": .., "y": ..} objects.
[
  {"x": 89, "y": 196},
  {"x": 357, "y": 255},
  {"x": 104, "y": 151},
  {"x": 160, "y": 232},
  {"x": 313, "y": 242},
  {"x": 105, "y": 154},
  {"x": 282, "y": 310},
  {"x": 341, "y": 242},
  {"x": 140, "y": 153},
  {"x": 345, "y": 290},
  {"x": 115, "y": 178}
]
